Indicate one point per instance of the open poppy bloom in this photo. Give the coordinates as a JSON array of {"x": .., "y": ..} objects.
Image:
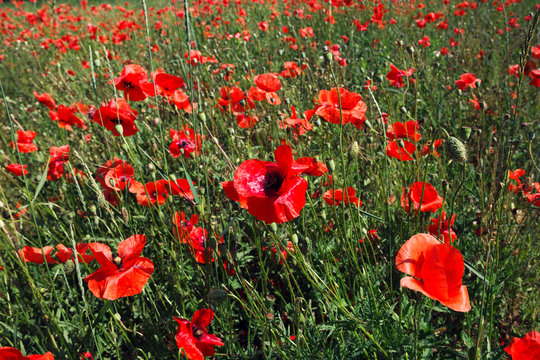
[
  {"x": 395, "y": 76},
  {"x": 267, "y": 85},
  {"x": 182, "y": 226},
  {"x": 420, "y": 196},
  {"x": 66, "y": 117},
  {"x": 122, "y": 275},
  {"x": 65, "y": 254},
  {"x": 59, "y": 156},
  {"x": 36, "y": 255},
  {"x": 167, "y": 84},
  {"x": 526, "y": 348},
  {"x": 272, "y": 192},
  {"x": 117, "y": 112},
  {"x": 185, "y": 142},
  {"x": 340, "y": 196},
  {"x": 442, "y": 227},
  {"x": 406, "y": 130},
  {"x": 134, "y": 83},
  {"x": 24, "y": 141},
  {"x": 436, "y": 271},
  {"x": 46, "y": 99},
  {"x": 310, "y": 166},
  {"x": 402, "y": 153},
  {"x": 9, "y": 353},
  {"x": 467, "y": 80},
  {"x": 17, "y": 169},
  {"x": 300, "y": 126},
  {"x": 353, "y": 109},
  {"x": 193, "y": 338},
  {"x": 153, "y": 192}
]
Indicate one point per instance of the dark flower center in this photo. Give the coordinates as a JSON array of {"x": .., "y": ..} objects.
[
  {"x": 272, "y": 182},
  {"x": 197, "y": 332}
]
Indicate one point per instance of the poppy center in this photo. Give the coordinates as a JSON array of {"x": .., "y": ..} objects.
[
  {"x": 118, "y": 262},
  {"x": 272, "y": 182},
  {"x": 197, "y": 332}
]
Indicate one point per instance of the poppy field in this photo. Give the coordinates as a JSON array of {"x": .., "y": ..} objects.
[{"x": 262, "y": 179}]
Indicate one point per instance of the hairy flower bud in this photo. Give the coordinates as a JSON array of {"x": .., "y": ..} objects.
[{"x": 455, "y": 149}]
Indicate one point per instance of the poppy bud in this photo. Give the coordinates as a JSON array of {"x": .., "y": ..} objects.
[
  {"x": 399, "y": 43},
  {"x": 531, "y": 135},
  {"x": 69, "y": 267},
  {"x": 151, "y": 167},
  {"x": 273, "y": 227},
  {"x": 404, "y": 110},
  {"x": 332, "y": 165},
  {"x": 294, "y": 239},
  {"x": 328, "y": 56},
  {"x": 216, "y": 295},
  {"x": 125, "y": 215},
  {"x": 411, "y": 50},
  {"x": 119, "y": 128},
  {"x": 455, "y": 149},
  {"x": 466, "y": 132},
  {"x": 202, "y": 117},
  {"x": 354, "y": 150},
  {"x": 271, "y": 298}
]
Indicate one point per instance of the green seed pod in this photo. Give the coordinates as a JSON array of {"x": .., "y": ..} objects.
[
  {"x": 465, "y": 132},
  {"x": 273, "y": 227},
  {"x": 328, "y": 56},
  {"x": 455, "y": 149}
]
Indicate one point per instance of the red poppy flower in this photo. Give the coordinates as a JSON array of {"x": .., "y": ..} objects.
[
  {"x": 353, "y": 108},
  {"x": 46, "y": 100},
  {"x": 423, "y": 197},
  {"x": 267, "y": 82},
  {"x": 199, "y": 245},
  {"x": 167, "y": 84},
  {"x": 17, "y": 169},
  {"x": 339, "y": 196},
  {"x": 246, "y": 121},
  {"x": 258, "y": 94},
  {"x": 183, "y": 227},
  {"x": 272, "y": 192},
  {"x": 234, "y": 99},
  {"x": 59, "y": 155},
  {"x": 37, "y": 255},
  {"x": 117, "y": 112},
  {"x": 181, "y": 101},
  {"x": 24, "y": 141},
  {"x": 153, "y": 192},
  {"x": 122, "y": 275},
  {"x": 300, "y": 126},
  {"x": 526, "y": 348},
  {"x": 406, "y": 130},
  {"x": 66, "y": 117},
  {"x": 291, "y": 69},
  {"x": 64, "y": 253},
  {"x": 395, "y": 76},
  {"x": 436, "y": 271},
  {"x": 180, "y": 188},
  {"x": 515, "y": 175},
  {"x": 119, "y": 176},
  {"x": 9, "y": 353},
  {"x": 467, "y": 80},
  {"x": 310, "y": 166},
  {"x": 403, "y": 153},
  {"x": 185, "y": 142},
  {"x": 442, "y": 226},
  {"x": 134, "y": 83},
  {"x": 193, "y": 338}
]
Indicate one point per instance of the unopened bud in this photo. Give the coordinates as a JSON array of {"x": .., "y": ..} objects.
[
  {"x": 328, "y": 56},
  {"x": 410, "y": 49},
  {"x": 202, "y": 117},
  {"x": 354, "y": 150},
  {"x": 455, "y": 149},
  {"x": 69, "y": 267},
  {"x": 119, "y": 129},
  {"x": 332, "y": 165}
]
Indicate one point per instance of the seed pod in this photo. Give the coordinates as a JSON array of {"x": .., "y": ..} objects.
[
  {"x": 69, "y": 267},
  {"x": 455, "y": 149}
]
